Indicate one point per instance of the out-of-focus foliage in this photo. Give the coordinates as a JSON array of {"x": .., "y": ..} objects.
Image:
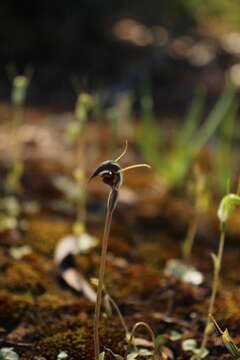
[
  {"x": 227, "y": 205},
  {"x": 203, "y": 11},
  {"x": 224, "y": 151},
  {"x": 172, "y": 163}
]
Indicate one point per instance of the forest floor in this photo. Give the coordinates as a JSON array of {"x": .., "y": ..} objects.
[{"x": 40, "y": 316}]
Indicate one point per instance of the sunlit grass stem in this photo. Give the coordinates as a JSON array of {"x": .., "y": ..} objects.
[
  {"x": 200, "y": 205},
  {"x": 188, "y": 242},
  {"x": 20, "y": 85},
  {"x": 83, "y": 105},
  {"x": 15, "y": 174},
  {"x": 217, "y": 261}
]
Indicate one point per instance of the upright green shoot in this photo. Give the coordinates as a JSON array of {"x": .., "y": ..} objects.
[
  {"x": 201, "y": 200},
  {"x": 119, "y": 117},
  {"x": 216, "y": 116},
  {"x": 20, "y": 84},
  {"x": 174, "y": 163},
  {"x": 75, "y": 137},
  {"x": 226, "y": 207},
  {"x": 223, "y": 164},
  {"x": 192, "y": 121}
]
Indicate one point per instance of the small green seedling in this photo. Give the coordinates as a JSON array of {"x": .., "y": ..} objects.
[
  {"x": 201, "y": 201},
  {"x": 226, "y": 207},
  {"x": 75, "y": 189},
  {"x": 112, "y": 174},
  {"x": 75, "y": 130},
  {"x": 83, "y": 106},
  {"x": 139, "y": 347},
  {"x": 132, "y": 350},
  {"x": 119, "y": 118},
  {"x": 20, "y": 84}
]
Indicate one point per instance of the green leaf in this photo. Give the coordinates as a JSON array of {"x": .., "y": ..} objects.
[
  {"x": 230, "y": 345},
  {"x": 227, "y": 205},
  {"x": 102, "y": 356}
]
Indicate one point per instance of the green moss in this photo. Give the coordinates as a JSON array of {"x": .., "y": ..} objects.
[
  {"x": 78, "y": 343},
  {"x": 43, "y": 234},
  {"x": 21, "y": 277},
  {"x": 73, "y": 342}
]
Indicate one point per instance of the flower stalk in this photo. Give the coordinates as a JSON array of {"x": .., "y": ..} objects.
[
  {"x": 217, "y": 262},
  {"x": 112, "y": 174}
]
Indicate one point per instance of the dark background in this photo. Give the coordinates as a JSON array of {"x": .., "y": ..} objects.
[{"x": 66, "y": 39}]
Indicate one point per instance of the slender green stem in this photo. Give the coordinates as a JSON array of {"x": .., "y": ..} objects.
[
  {"x": 80, "y": 150},
  {"x": 81, "y": 206},
  {"x": 14, "y": 177},
  {"x": 189, "y": 240},
  {"x": 124, "y": 325},
  {"x": 101, "y": 282},
  {"x": 217, "y": 269}
]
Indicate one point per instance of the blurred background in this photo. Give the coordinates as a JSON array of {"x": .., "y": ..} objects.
[{"x": 118, "y": 45}]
